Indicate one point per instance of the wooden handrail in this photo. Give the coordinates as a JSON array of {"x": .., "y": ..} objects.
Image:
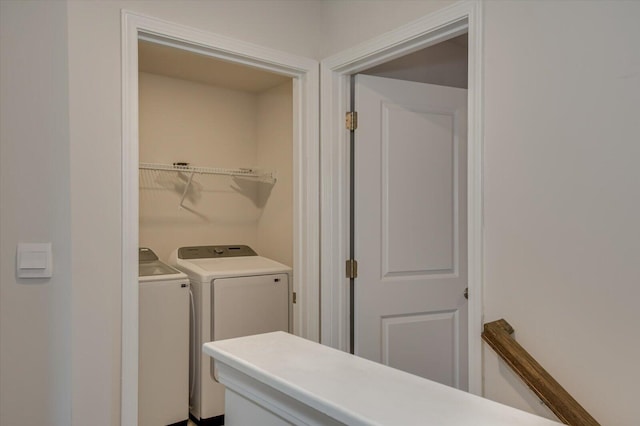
[{"x": 497, "y": 334}]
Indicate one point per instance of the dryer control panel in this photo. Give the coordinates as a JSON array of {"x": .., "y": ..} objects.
[{"x": 207, "y": 252}]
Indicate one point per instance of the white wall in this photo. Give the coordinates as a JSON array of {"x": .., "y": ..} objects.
[
  {"x": 348, "y": 23},
  {"x": 35, "y": 314},
  {"x": 206, "y": 126},
  {"x": 275, "y": 152},
  {"x": 562, "y": 197}
]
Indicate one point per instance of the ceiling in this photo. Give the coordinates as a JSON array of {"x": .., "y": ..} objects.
[
  {"x": 444, "y": 63},
  {"x": 178, "y": 63}
]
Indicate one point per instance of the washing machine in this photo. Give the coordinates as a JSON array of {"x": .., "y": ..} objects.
[
  {"x": 163, "y": 343},
  {"x": 236, "y": 293}
]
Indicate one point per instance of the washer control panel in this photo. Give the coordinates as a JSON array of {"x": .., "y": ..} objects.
[
  {"x": 146, "y": 255},
  {"x": 207, "y": 252}
]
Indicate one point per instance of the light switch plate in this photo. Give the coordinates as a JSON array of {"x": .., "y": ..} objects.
[{"x": 34, "y": 260}]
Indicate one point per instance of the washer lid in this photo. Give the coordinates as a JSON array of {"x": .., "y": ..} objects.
[
  {"x": 156, "y": 267},
  {"x": 150, "y": 266},
  {"x": 207, "y": 269}
]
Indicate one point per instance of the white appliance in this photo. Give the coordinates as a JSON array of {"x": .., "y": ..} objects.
[
  {"x": 236, "y": 293},
  {"x": 163, "y": 357}
]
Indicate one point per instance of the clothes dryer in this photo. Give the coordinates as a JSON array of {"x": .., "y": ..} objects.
[
  {"x": 163, "y": 349},
  {"x": 236, "y": 293}
]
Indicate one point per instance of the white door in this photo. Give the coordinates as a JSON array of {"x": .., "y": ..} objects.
[{"x": 410, "y": 227}]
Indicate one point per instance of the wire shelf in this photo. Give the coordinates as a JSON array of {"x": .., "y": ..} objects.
[{"x": 186, "y": 167}]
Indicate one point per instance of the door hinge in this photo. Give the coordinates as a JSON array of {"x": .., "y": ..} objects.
[
  {"x": 294, "y": 298},
  {"x": 351, "y": 120},
  {"x": 352, "y": 268}
]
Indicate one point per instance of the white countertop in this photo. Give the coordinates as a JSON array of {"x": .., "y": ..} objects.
[{"x": 356, "y": 391}]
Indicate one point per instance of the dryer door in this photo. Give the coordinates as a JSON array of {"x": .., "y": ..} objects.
[{"x": 243, "y": 306}]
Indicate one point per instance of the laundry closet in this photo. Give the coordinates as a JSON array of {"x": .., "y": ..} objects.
[
  {"x": 215, "y": 222},
  {"x": 233, "y": 123}
]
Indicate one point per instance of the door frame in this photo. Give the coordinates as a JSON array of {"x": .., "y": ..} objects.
[
  {"x": 335, "y": 73},
  {"x": 305, "y": 75}
]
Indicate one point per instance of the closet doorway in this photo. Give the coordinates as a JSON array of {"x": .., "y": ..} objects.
[
  {"x": 216, "y": 154},
  {"x": 254, "y": 144}
]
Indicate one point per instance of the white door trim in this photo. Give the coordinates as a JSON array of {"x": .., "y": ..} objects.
[
  {"x": 306, "y": 174},
  {"x": 335, "y": 74}
]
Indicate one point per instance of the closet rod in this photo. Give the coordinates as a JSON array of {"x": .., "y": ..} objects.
[{"x": 186, "y": 167}]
